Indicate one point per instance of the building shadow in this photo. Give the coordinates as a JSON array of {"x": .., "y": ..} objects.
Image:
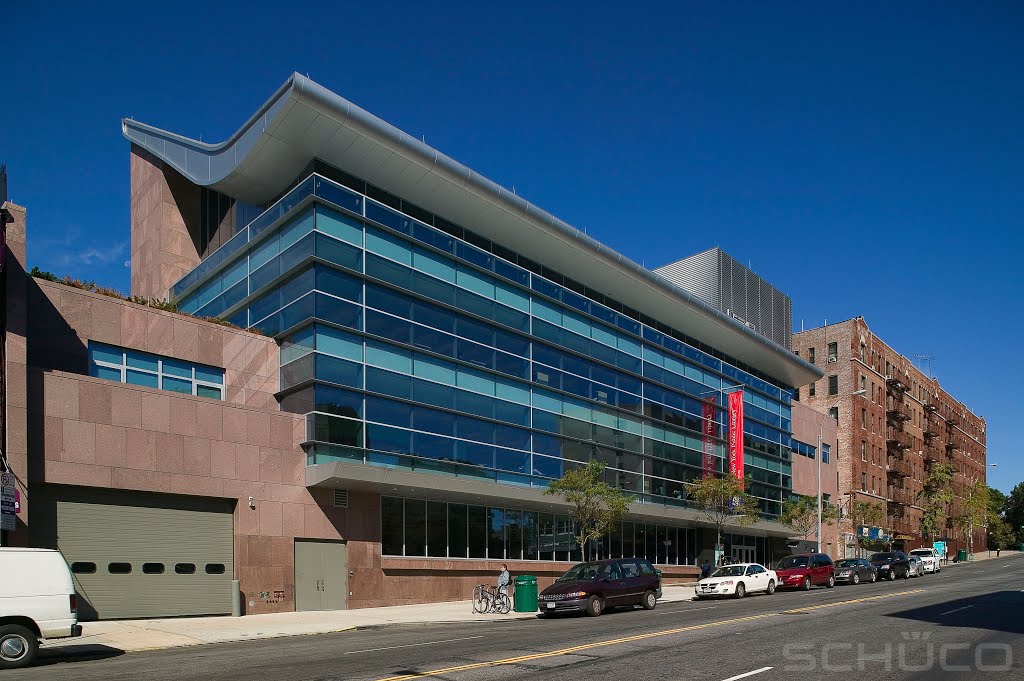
[{"x": 997, "y": 611}]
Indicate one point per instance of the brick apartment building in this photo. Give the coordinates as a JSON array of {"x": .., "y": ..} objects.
[{"x": 893, "y": 432}]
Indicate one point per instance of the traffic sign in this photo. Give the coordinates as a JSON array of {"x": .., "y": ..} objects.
[
  {"x": 8, "y": 521},
  {"x": 6, "y": 479}
]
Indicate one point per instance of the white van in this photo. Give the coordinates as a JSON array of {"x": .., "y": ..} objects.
[{"x": 37, "y": 600}]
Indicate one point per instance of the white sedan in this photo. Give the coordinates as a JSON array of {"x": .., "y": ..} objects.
[
  {"x": 929, "y": 557},
  {"x": 737, "y": 580}
]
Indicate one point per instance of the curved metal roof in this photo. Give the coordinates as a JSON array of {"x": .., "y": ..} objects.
[{"x": 303, "y": 120}]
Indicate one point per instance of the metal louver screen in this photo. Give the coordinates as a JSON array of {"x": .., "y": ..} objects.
[{"x": 341, "y": 498}]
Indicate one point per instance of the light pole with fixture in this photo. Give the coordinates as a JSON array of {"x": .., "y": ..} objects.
[{"x": 821, "y": 430}]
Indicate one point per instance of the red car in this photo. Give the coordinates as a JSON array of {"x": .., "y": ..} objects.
[{"x": 804, "y": 570}]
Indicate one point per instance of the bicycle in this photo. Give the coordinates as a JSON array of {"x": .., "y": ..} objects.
[{"x": 487, "y": 600}]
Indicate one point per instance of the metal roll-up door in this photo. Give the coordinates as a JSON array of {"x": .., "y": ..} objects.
[{"x": 151, "y": 560}]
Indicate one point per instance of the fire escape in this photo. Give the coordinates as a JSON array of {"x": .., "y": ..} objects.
[
  {"x": 933, "y": 428},
  {"x": 898, "y": 442}
]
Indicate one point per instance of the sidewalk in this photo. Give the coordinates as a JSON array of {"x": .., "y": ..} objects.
[
  {"x": 135, "y": 635},
  {"x": 984, "y": 555}
]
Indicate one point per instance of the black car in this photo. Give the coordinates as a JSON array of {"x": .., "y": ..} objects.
[
  {"x": 855, "y": 571},
  {"x": 891, "y": 564}
]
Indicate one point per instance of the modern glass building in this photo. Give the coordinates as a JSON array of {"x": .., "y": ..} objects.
[{"x": 454, "y": 348}]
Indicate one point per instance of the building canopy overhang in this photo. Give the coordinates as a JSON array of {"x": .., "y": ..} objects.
[
  {"x": 402, "y": 482},
  {"x": 303, "y": 120}
]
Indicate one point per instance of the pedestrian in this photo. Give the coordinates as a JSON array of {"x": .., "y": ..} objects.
[
  {"x": 705, "y": 569},
  {"x": 997, "y": 552},
  {"x": 504, "y": 579}
]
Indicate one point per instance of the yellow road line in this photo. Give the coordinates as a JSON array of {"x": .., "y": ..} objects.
[{"x": 638, "y": 637}]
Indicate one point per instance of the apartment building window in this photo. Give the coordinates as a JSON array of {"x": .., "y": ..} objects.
[
  {"x": 833, "y": 352},
  {"x": 833, "y": 385},
  {"x": 864, "y": 419},
  {"x": 863, "y": 353},
  {"x": 834, "y": 413},
  {"x": 810, "y": 355},
  {"x": 863, "y": 382},
  {"x": 863, "y": 451},
  {"x": 825, "y": 450},
  {"x": 796, "y": 394},
  {"x": 811, "y": 390},
  {"x": 863, "y": 482},
  {"x": 152, "y": 371}
]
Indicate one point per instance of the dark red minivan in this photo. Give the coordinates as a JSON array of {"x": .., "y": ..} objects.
[
  {"x": 596, "y": 586},
  {"x": 804, "y": 570}
]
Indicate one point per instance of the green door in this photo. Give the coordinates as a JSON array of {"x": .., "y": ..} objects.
[
  {"x": 321, "y": 575},
  {"x": 156, "y": 556}
]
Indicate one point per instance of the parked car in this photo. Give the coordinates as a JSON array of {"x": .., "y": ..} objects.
[
  {"x": 855, "y": 571},
  {"x": 804, "y": 570},
  {"x": 37, "y": 601},
  {"x": 598, "y": 585},
  {"x": 930, "y": 558},
  {"x": 737, "y": 580},
  {"x": 891, "y": 564},
  {"x": 916, "y": 566}
]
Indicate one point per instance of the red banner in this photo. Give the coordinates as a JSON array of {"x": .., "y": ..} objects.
[
  {"x": 736, "y": 433},
  {"x": 710, "y": 430}
]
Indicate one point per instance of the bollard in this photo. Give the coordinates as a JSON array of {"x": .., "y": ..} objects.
[{"x": 236, "y": 598}]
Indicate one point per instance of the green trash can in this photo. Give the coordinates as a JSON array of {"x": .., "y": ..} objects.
[
  {"x": 1022, "y": 548},
  {"x": 961, "y": 556},
  {"x": 525, "y": 593}
]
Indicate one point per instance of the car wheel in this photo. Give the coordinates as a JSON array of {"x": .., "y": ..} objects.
[
  {"x": 874, "y": 577},
  {"x": 771, "y": 587},
  {"x": 906, "y": 574},
  {"x": 831, "y": 581},
  {"x": 741, "y": 590},
  {"x": 594, "y": 606},
  {"x": 18, "y": 647},
  {"x": 806, "y": 585},
  {"x": 650, "y": 600},
  {"x": 856, "y": 578}
]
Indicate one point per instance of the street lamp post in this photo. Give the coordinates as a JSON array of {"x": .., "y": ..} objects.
[{"x": 821, "y": 431}]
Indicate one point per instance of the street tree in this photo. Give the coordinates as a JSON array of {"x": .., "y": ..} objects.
[
  {"x": 801, "y": 514},
  {"x": 1001, "y": 535},
  {"x": 596, "y": 506},
  {"x": 1013, "y": 512},
  {"x": 723, "y": 501},
  {"x": 996, "y": 502},
  {"x": 974, "y": 511},
  {"x": 935, "y": 498}
]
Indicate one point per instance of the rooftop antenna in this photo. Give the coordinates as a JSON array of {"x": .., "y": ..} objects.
[{"x": 921, "y": 360}]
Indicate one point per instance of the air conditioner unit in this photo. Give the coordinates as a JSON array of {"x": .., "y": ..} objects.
[{"x": 832, "y": 360}]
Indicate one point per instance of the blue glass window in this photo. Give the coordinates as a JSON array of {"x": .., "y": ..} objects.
[{"x": 152, "y": 371}]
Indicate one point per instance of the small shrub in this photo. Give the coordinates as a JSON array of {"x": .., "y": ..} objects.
[{"x": 155, "y": 303}]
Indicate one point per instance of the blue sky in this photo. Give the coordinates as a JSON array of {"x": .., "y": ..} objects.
[{"x": 866, "y": 159}]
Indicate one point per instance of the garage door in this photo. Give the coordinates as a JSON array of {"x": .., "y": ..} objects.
[{"x": 148, "y": 560}]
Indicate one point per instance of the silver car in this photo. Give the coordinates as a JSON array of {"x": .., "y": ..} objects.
[
  {"x": 916, "y": 566},
  {"x": 929, "y": 557}
]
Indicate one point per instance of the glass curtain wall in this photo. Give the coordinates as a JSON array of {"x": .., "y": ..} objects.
[
  {"x": 418, "y": 528},
  {"x": 408, "y": 346}
]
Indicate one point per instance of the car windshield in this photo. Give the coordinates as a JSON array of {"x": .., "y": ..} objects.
[
  {"x": 921, "y": 552},
  {"x": 730, "y": 571},
  {"x": 883, "y": 556},
  {"x": 793, "y": 562},
  {"x": 581, "y": 572},
  {"x": 846, "y": 563}
]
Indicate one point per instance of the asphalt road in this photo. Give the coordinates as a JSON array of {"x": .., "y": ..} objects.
[{"x": 967, "y": 622}]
